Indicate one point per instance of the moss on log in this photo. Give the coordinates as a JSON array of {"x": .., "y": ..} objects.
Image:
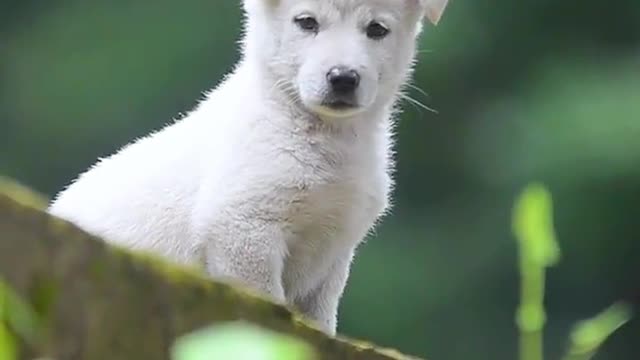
[{"x": 101, "y": 302}]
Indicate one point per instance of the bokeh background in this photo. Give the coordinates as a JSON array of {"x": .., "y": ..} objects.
[{"x": 527, "y": 90}]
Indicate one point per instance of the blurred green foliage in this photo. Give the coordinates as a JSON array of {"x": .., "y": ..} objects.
[
  {"x": 8, "y": 344},
  {"x": 240, "y": 341},
  {"x": 539, "y": 249},
  {"x": 529, "y": 89},
  {"x": 18, "y": 323},
  {"x": 589, "y": 335}
]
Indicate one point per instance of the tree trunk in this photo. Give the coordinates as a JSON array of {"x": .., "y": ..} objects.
[{"x": 101, "y": 302}]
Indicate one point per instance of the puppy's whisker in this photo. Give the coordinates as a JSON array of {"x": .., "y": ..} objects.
[
  {"x": 287, "y": 88},
  {"x": 416, "y": 103},
  {"x": 418, "y": 89}
]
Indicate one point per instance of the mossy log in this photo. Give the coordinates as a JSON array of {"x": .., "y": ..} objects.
[{"x": 101, "y": 302}]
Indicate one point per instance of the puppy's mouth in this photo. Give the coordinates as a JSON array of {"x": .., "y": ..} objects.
[
  {"x": 338, "y": 108},
  {"x": 340, "y": 104}
]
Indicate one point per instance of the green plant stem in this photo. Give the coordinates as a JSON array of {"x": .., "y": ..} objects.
[
  {"x": 531, "y": 316},
  {"x": 531, "y": 345},
  {"x": 533, "y": 227}
]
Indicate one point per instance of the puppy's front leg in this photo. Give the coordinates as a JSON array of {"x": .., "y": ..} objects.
[
  {"x": 251, "y": 254},
  {"x": 321, "y": 305}
]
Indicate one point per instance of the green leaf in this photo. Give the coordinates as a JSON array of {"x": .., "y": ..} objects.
[
  {"x": 7, "y": 341},
  {"x": 8, "y": 349},
  {"x": 18, "y": 315},
  {"x": 588, "y": 335},
  {"x": 240, "y": 341}
]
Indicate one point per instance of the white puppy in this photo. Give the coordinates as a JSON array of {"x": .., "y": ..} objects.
[{"x": 277, "y": 176}]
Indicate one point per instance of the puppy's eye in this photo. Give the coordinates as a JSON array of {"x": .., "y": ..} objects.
[
  {"x": 376, "y": 30},
  {"x": 307, "y": 23}
]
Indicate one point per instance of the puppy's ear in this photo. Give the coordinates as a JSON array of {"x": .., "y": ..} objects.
[
  {"x": 434, "y": 9},
  {"x": 259, "y": 4}
]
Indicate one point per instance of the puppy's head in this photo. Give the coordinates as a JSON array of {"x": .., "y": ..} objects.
[{"x": 338, "y": 57}]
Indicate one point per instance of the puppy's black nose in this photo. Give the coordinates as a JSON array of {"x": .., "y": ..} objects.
[{"x": 343, "y": 80}]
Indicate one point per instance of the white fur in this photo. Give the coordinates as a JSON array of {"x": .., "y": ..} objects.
[{"x": 260, "y": 183}]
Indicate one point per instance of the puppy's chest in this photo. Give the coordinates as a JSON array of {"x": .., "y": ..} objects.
[
  {"x": 337, "y": 193},
  {"x": 330, "y": 213}
]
